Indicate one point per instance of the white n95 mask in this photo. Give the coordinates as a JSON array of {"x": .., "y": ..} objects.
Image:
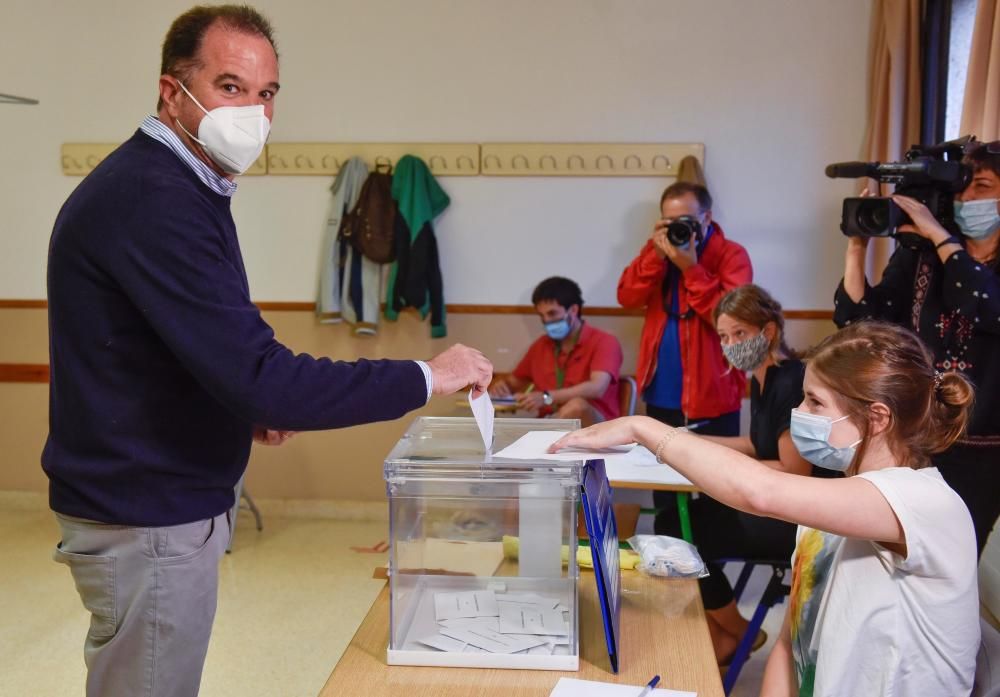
[{"x": 233, "y": 136}]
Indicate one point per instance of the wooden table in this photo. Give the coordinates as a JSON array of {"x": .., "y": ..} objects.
[{"x": 663, "y": 628}]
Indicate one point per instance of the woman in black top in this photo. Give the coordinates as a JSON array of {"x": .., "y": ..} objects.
[
  {"x": 948, "y": 292},
  {"x": 751, "y": 328}
]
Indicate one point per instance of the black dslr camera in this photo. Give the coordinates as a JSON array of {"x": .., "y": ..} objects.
[
  {"x": 682, "y": 229},
  {"x": 930, "y": 174}
]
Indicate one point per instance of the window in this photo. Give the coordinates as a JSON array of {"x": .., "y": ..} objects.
[{"x": 963, "y": 17}]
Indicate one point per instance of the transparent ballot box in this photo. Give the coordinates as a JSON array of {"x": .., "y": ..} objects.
[{"x": 480, "y": 569}]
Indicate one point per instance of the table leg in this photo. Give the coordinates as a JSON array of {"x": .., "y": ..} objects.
[{"x": 682, "y": 511}]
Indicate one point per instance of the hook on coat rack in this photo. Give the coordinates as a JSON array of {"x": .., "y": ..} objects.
[
  {"x": 551, "y": 158},
  {"x": 666, "y": 161}
]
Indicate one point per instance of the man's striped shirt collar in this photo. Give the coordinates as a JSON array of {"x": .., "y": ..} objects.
[{"x": 157, "y": 130}]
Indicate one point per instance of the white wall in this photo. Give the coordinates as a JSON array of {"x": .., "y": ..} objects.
[{"x": 774, "y": 88}]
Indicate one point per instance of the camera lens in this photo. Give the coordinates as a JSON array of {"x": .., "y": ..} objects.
[
  {"x": 873, "y": 217},
  {"x": 680, "y": 231}
]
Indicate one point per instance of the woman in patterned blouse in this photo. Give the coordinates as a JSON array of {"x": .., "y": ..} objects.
[{"x": 948, "y": 292}]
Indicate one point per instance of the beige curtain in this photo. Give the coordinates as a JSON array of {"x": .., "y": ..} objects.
[
  {"x": 893, "y": 96},
  {"x": 981, "y": 106}
]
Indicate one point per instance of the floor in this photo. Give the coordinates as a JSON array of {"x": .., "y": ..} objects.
[
  {"x": 282, "y": 620},
  {"x": 290, "y": 599}
]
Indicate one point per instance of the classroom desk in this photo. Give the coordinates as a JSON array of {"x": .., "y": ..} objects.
[
  {"x": 624, "y": 474},
  {"x": 664, "y": 633}
]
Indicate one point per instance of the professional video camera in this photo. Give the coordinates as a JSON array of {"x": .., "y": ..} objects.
[
  {"x": 681, "y": 229},
  {"x": 930, "y": 174}
]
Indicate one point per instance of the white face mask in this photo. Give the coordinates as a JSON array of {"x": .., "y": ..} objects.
[{"x": 233, "y": 136}]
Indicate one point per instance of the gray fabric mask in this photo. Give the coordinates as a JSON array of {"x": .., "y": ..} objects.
[{"x": 749, "y": 354}]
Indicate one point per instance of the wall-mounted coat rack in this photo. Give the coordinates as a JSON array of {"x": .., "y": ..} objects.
[
  {"x": 444, "y": 159},
  {"x": 78, "y": 159},
  {"x": 449, "y": 159},
  {"x": 586, "y": 159}
]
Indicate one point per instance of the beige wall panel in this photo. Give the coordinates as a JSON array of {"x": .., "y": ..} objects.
[
  {"x": 344, "y": 464},
  {"x": 25, "y": 336},
  {"x": 24, "y": 424}
]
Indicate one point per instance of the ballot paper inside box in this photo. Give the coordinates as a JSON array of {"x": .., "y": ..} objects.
[{"x": 456, "y": 598}]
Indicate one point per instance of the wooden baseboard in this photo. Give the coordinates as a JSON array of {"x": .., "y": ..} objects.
[{"x": 24, "y": 372}]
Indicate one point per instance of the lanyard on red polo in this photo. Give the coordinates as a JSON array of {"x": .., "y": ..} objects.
[{"x": 561, "y": 369}]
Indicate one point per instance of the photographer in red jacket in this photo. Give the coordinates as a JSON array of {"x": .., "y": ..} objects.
[{"x": 679, "y": 276}]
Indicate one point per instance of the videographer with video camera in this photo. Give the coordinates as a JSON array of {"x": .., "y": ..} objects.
[
  {"x": 679, "y": 276},
  {"x": 943, "y": 283}
]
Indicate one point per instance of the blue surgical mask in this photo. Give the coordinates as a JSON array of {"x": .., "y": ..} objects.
[
  {"x": 811, "y": 435},
  {"x": 557, "y": 330},
  {"x": 977, "y": 219}
]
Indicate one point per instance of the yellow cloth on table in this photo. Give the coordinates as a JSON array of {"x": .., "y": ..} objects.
[{"x": 627, "y": 559}]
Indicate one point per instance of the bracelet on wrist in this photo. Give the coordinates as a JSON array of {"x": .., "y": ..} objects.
[
  {"x": 950, "y": 240},
  {"x": 667, "y": 437}
]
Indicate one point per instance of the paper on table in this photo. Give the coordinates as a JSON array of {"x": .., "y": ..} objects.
[
  {"x": 482, "y": 409},
  {"x": 492, "y": 623},
  {"x": 493, "y": 642},
  {"x": 543, "y": 650},
  {"x": 449, "y": 606},
  {"x": 443, "y": 643},
  {"x": 521, "y": 618},
  {"x": 534, "y": 445},
  {"x": 532, "y": 598},
  {"x": 571, "y": 687},
  {"x": 640, "y": 467}
]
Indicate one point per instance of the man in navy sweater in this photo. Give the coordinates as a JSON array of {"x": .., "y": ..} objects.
[{"x": 164, "y": 372}]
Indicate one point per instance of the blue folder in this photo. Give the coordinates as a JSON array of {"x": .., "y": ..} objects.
[{"x": 599, "y": 515}]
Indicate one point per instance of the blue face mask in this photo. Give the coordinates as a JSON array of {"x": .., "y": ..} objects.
[
  {"x": 557, "y": 330},
  {"x": 811, "y": 435},
  {"x": 977, "y": 219}
]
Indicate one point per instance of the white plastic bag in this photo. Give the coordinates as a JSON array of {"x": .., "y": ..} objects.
[{"x": 668, "y": 556}]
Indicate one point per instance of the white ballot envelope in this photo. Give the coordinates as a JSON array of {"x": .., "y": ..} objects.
[{"x": 485, "y": 414}]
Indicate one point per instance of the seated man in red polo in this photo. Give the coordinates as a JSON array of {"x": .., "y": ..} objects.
[{"x": 572, "y": 371}]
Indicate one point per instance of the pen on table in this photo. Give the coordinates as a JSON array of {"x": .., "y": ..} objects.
[
  {"x": 529, "y": 388},
  {"x": 696, "y": 425},
  {"x": 649, "y": 686}
]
